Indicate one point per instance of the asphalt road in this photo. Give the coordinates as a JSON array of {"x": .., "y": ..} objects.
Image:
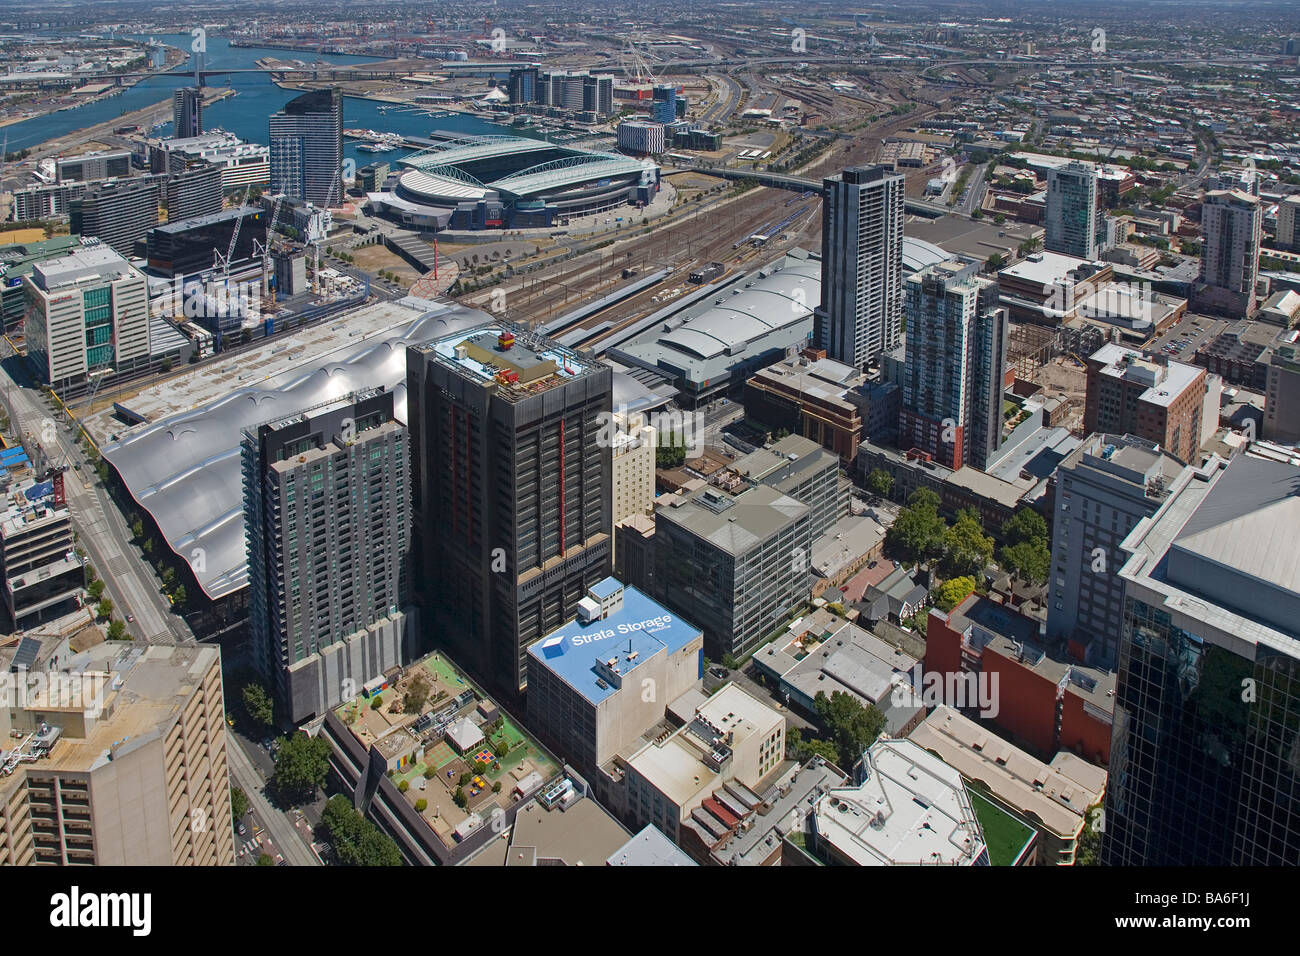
[
  {"x": 286, "y": 838},
  {"x": 101, "y": 529}
]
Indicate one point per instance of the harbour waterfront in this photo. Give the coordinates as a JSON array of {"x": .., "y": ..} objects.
[{"x": 245, "y": 114}]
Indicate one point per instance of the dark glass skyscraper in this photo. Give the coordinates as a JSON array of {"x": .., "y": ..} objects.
[
  {"x": 187, "y": 112},
  {"x": 307, "y": 148},
  {"x": 1205, "y": 758},
  {"x": 511, "y": 489}
]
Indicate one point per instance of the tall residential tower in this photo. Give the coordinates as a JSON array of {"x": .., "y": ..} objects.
[
  {"x": 307, "y": 148},
  {"x": 956, "y": 361},
  {"x": 327, "y": 518},
  {"x": 861, "y": 308}
]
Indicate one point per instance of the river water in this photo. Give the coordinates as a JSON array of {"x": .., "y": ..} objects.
[{"x": 246, "y": 114}]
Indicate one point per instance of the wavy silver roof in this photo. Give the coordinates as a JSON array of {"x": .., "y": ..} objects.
[{"x": 185, "y": 469}]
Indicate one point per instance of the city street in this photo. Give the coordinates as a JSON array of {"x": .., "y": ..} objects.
[
  {"x": 101, "y": 529},
  {"x": 280, "y": 832}
]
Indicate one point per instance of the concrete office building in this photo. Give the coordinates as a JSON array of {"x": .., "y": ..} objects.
[
  {"x": 861, "y": 310},
  {"x": 735, "y": 556},
  {"x": 588, "y": 681},
  {"x": 195, "y": 191},
  {"x": 115, "y": 756},
  {"x": 92, "y": 166},
  {"x": 1287, "y": 237},
  {"x": 187, "y": 112},
  {"x": 1071, "y": 215},
  {"x": 632, "y": 454},
  {"x": 327, "y": 518},
  {"x": 1053, "y": 798},
  {"x": 510, "y": 487},
  {"x": 241, "y": 164},
  {"x": 732, "y": 738},
  {"x": 956, "y": 362},
  {"x": 1153, "y": 398},
  {"x": 39, "y": 565},
  {"x": 1232, "y": 224},
  {"x": 306, "y": 148},
  {"x": 88, "y": 313},
  {"x": 911, "y": 809},
  {"x": 1202, "y": 761},
  {"x": 813, "y": 396},
  {"x": 1103, "y": 489},
  {"x": 118, "y": 211}
]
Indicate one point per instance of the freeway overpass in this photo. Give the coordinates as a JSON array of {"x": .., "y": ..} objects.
[{"x": 798, "y": 185}]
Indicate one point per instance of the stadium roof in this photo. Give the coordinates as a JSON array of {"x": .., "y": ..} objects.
[{"x": 440, "y": 171}]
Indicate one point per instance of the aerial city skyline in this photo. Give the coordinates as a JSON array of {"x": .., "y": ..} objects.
[{"x": 656, "y": 435}]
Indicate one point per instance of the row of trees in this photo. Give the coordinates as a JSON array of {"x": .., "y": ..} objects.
[{"x": 357, "y": 841}]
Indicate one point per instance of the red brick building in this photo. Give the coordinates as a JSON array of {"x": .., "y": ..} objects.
[
  {"x": 1042, "y": 701},
  {"x": 1152, "y": 398}
]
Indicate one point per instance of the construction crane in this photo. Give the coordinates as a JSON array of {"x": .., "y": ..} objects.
[
  {"x": 221, "y": 263},
  {"x": 268, "y": 287}
]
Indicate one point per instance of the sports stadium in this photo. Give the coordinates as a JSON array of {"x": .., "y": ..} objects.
[{"x": 510, "y": 182}]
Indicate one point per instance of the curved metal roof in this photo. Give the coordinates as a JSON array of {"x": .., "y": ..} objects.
[
  {"x": 470, "y": 150},
  {"x": 185, "y": 469},
  {"x": 773, "y": 301},
  {"x": 917, "y": 254}
]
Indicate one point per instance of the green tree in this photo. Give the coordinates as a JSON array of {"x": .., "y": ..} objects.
[
  {"x": 1090, "y": 838},
  {"x": 180, "y": 596},
  {"x": 853, "y": 727},
  {"x": 257, "y": 704},
  {"x": 1029, "y": 561},
  {"x": 95, "y": 589},
  {"x": 301, "y": 767},
  {"x": 264, "y": 859},
  {"x": 967, "y": 549},
  {"x": 1025, "y": 525},
  {"x": 238, "y": 803},
  {"x": 116, "y": 629},
  {"x": 952, "y": 592},
  {"x": 105, "y": 609},
  {"x": 880, "y": 482},
  {"x": 1026, "y": 553},
  {"x": 994, "y": 262},
  {"x": 459, "y": 798},
  {"x": 421, "y": 805},
  {"x": 417, "y": 692},
  {"x": 357, "y": 841},
  {"x": 377, "y": 701},
  {"x": 821, "y": 748},
  {"x": 465, "y": 778},
  {"x": 137, "y": 529},
  {"x": 918, "y": 532},
  {"x": 496, "y": 787}
]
